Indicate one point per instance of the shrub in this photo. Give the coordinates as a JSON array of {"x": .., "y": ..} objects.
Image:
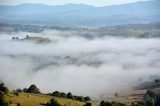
[
  {"x": 88, "y": 104},
  {"x": 53, "y": 102},
  {"x": 103, "y": 103}
]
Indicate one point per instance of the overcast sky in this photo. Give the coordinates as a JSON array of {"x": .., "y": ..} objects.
[{"x": 61, "y": 2}]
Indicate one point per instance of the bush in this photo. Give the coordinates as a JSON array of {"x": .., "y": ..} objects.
[
  {"x": 53, "y": 102},
  {"x": 88, "y": 104},
  {"x": 25, "y": 90},
  {"x": 103, "y": 103}
]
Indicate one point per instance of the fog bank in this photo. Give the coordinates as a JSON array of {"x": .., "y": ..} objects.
[{"x": 73, "y": 63}]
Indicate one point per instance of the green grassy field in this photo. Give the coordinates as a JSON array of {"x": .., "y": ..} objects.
[{"x": 26, "y": 99}]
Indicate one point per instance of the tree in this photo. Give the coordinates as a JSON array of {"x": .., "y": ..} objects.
[
  {"x": 156, "y": 81},
  {"x": 56, "y": 93},
  {"x": 33, "y": 89},
  {"x": 151, "y": 98},
  {"x": 25, "y": 90},
  {"x": 13, "y": 38},
  {"x": 27, "y": 36},
  {"x": 80, "y": 98},
  {"x": 64, "y": 95},
  {"x": 3, "y": 88},
  {"x": 69, "y": 95},
  {"x": 87, "y": 99},
  {"x": 17, "y": 38},
  {"x": 18, "y": 90},
  {"x": 103, "y": 103}
]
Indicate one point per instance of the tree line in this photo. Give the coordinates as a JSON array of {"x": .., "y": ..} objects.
[
  {"x": 150, "y": 98},
  {"x": 69, "y": 95}
]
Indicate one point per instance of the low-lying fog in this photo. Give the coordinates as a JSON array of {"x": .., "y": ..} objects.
[{"x": 93, "y": 67}]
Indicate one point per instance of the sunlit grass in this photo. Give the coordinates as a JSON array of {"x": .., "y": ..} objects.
[{"x": 26, "y": 99}]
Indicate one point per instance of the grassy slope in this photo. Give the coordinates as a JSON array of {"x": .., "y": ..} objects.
[{"x": 26, "y": 99}]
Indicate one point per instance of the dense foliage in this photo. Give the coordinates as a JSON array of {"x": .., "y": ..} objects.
[
  {"x": 69, "y": 95},
  {"x": 106, "y": 103},
  {"x": 3, "y": 88}
]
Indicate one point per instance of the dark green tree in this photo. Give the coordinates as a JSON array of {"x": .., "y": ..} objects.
[
  {"x": 63, "y": 95},
  {"x": 69, "y": 95},
  {"x": 103, "y": 103},
  {"x": 56, "y": 93},
  {"x": 33, "y": 89},
  {"x": 25, "y": 90},
  {"x": 80, "y": 98},
  {"x": 87, "y": 98},
  {"x": 3, "y": 88}
]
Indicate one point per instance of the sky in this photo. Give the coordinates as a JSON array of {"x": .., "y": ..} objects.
[{"x": 61, "y": 2}]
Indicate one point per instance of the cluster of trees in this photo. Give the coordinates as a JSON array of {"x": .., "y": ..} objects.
[
  {"x": 106, "y": 103},
  {"x": 69, "y": 95},
  {"x": 32, "y": 89},
  {"x": 149, "y": 99},
  {"x": 15, "y": 38},
  {"x": 53, "y": 102}
]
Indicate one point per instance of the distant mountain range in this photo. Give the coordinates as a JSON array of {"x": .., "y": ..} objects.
[{"x": 80, "y": 15}]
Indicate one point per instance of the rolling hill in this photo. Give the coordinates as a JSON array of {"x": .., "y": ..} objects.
[{"x": 81, "y": 15}]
